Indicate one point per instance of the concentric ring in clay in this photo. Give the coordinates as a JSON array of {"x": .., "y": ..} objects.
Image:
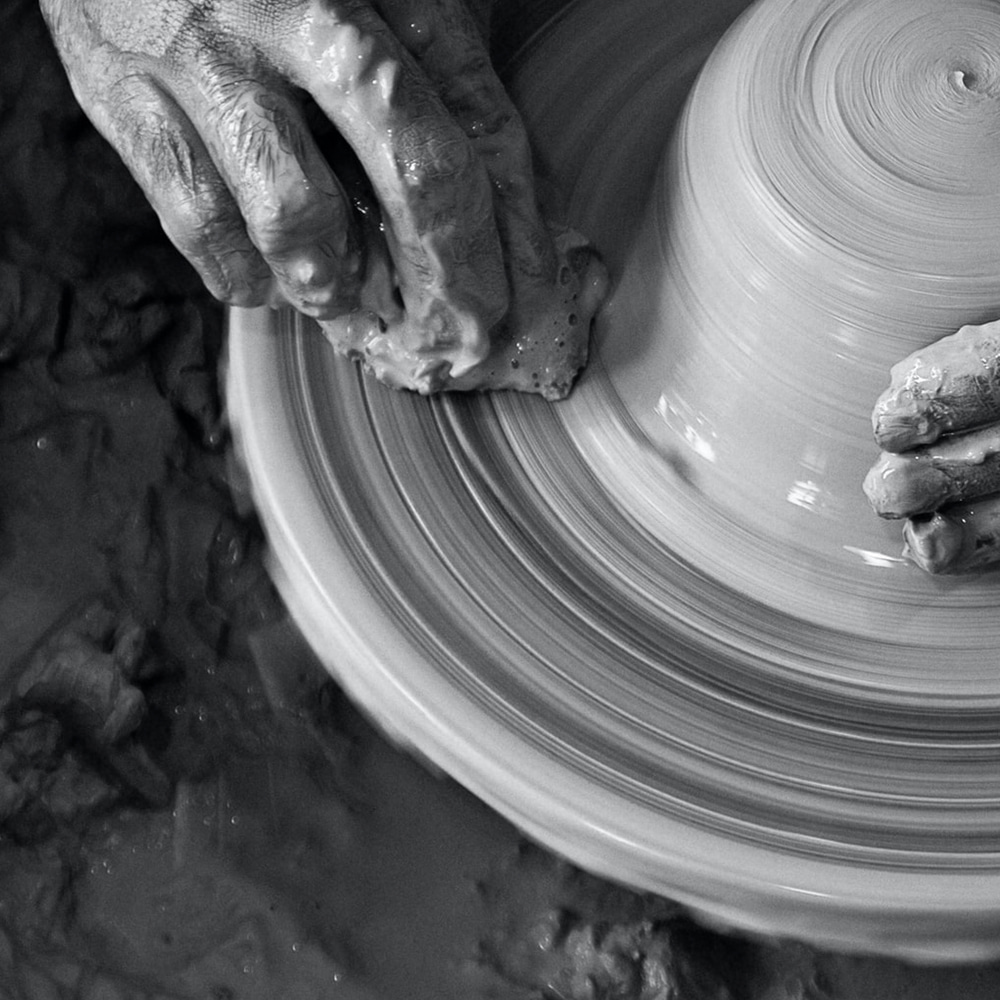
[{"x": 656, "y": 625}]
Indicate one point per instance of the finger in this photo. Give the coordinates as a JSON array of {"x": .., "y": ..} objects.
[
  {"x": 556, "y": 283},
  {"x": 960, "y": 539},
  {"x": 433, "y": 189},
  {"x": 379, "y": 293},
  {"x": 925, "y": 479},
  {"x": 952, "y": 385},
  {"x": 295, "y": 210},
  {"x": 162, "y": 150},
  {"x": 448, "y": 44}
]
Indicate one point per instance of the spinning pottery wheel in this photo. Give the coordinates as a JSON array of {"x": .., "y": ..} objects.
[{"x": 656, "y": 625}]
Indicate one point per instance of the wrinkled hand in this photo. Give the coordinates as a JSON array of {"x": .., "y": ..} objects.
[
  {"x": 939, "y": 426},
  {"x": 205, "y": 101}
]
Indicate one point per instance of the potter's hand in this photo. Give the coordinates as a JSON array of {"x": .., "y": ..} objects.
[
  {"x": 204, "y": 101},
  {"x": 939, "y": 426}
]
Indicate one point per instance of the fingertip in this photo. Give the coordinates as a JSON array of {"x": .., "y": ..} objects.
[
  {"x": 320, "y": 283},
  {"x": 234, "y": 275},
  {"x": 295, "y": 210},
  {"x": 933, "y": 542},
  {"x": 906, "y": 485},
  {"x": 902, "y": 421},
  {"x": 899, "y": 432}
]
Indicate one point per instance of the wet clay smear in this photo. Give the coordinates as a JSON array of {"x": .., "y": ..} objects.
[{"x": 412, "y": 331}]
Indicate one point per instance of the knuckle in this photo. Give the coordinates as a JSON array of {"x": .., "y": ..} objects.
[
  {"x": 237, "y": 120},
  {"x": 226, "y": 242},
  {"x": 350, "y": 58},
  {"x": 154, "y": 138},
  {"x": 274, "y": 225},
  {"x": 170, "y": 157},
  {"x": 253, "y": 145},
  {"x": 239, "y": 277},
  {"x": 430, "y": 151},
  {"x": 211, "y": 236},
  {"x": 282, "y": 123},
  {"x": 270, "y": 168},
  {"x": 201, "y": 219},
  {"x": 282, "y": 219}
]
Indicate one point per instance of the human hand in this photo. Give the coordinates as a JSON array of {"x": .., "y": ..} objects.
[
  {"x": 939, "y": 426},
  {"x": 205, "y": 99}
]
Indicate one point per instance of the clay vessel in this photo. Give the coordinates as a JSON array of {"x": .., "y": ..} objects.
[{"x": 830, "y": 203}]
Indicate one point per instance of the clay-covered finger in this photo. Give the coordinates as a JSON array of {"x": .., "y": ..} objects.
[
  {"x": 164, "y": 153},
  {"x": 448, "y": 44},
  {"x": 960, "y": 539},
  {"x": 952, "y": 385},
  {"x": 555, "y": 279},
  {"x": 434, "y": 192},
  {"x": 925, "y": 479},
  {"x": 295, "y": 211}
]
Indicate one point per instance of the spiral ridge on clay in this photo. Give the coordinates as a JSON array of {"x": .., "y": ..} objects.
[{"x": 646, "y": 624}]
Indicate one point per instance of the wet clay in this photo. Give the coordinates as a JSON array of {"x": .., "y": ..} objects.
[
  {"x": 302, "y": 856},
  {"x": 657, "y": 626},
  {"x": 828, "y": 206}
]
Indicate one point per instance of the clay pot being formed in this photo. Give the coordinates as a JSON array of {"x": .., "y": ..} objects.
[
  {"x": 830, "y": 203},
  {"x": 657, "y": 624}
]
